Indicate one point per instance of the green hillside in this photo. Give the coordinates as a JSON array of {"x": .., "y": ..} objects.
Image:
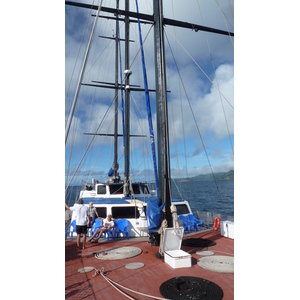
[{"x": 219, "y": 176}]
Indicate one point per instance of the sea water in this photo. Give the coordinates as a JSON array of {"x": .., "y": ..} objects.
[{"x": 208, "y": 195}]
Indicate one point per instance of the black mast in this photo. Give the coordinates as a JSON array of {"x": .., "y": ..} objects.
[{"x": 162, "y": 112}]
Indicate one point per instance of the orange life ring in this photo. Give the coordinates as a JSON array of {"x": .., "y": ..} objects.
[{"x": 217, "y": 223}]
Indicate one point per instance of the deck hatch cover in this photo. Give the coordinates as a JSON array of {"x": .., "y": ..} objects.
[
  {"x": 197, "y": 242},
  {"x": 188, "y": 287}
]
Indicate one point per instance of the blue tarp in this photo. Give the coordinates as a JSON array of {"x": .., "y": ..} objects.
[
  {"x": 154, "y": 215},
  {"x": 110, "y": 172}
]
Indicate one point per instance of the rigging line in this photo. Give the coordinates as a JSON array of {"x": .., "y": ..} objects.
[
  {"x": 148, "y": 102},
  {"x": 178, "y": 189},
  {"x": 173, "y": 127},
  {"x": 111, "y": 124},
  {"x": 135, "y": 57},
  {"x": 141, "y": 46},
  {"x": 213, "y": 65},
  {"x": 122, "y": 80},
  {"x": 204, "y": 148},
  {"x": 73, "y": 136},
  {"x": 231, "y": 10},
  {"x": 180, "y": 97},
  {"x": 81, "y": 43},
  {"x": 200, "y": 68},
  {"x": 225, "y": 17},
  {"x": 92, "y": 140},
  {"x": 140, "y": 125},
  {"x": 181, "y": 102},
  {"x": 122, "y": 95},
  {"x": 102, "y": 53},
  {"x": 175, "y": 146},
  {"x": 86, "y": 54},
  {"x": 76, "y": 122}
]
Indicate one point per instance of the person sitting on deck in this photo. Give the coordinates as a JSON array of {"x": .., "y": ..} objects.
[{"x": 108, "y": 223}]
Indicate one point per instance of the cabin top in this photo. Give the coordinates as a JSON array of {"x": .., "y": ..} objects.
[{"x": 114, "y": 189}]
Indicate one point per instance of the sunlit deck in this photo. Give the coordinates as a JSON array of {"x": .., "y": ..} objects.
[{"x": 147, "y": 279}]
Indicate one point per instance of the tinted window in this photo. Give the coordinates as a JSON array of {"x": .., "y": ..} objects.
[
  {"x": 101, "y": 189},
  {"x": 116, "y": 189},
  {"x": 124, "y": 212},
  {"x": 182, "y": 209},
  {"x": 145, "y": 189},
  {"x": 136, "y": 189},
  {"x": 101, "y": 212}
]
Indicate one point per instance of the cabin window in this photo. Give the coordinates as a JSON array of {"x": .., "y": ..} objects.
[
  {"x": 116, "y": 189},
  {"x": 101, "y": 189},
  {"x": 101, "y": 212},
  {"x": 124, "y": 212},
  {"x": 182, "y": 209},
  {"x": 145, "y": 188},
  {"x": 136, "y": 189}
]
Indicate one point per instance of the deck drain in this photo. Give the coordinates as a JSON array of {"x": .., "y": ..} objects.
[
  {"x": 133, "y": 266},
  {"x": 187, "y": 287},
  {"x": 204, "y": 252},
  {"x": 86, "y": 269},
  {"x": 217, "y": 263},
  {"x": 118, "y": 253}
]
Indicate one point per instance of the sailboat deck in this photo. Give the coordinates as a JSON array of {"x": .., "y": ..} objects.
[{"x": 144, "y": 280}]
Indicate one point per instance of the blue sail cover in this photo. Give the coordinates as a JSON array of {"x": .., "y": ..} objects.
[
  {"x": 148, "y": 103},
  {"x": 110, "y": 172},
  {"x": 154, "y": 215}
]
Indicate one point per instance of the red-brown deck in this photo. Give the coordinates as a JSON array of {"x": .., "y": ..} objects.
[{"x": 145, "y": 280}]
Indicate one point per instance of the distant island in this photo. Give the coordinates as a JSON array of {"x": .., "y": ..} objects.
[{"x": 218, "y": 176}]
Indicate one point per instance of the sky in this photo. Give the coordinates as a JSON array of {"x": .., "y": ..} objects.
[{"x": 203, "y": 126}]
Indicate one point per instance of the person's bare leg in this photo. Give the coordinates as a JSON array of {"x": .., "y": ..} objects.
[
  {"x": 78, "y": 241},
  {"x": 99, "y": 236},
  {"x": 83, "y": 240},
  {"x": 95, "y": 233}
]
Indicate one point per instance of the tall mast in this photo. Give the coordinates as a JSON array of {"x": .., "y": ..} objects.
[
  {"x": 162, "y": 111},
  {"x": 127, "y": 104},
  {"x": 115, "y": 165}
]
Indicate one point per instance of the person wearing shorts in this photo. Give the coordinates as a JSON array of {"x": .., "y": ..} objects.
[{"x": 82, "y": 215}]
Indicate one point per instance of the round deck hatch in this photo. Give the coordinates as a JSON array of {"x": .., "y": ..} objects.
[
  {"x": 133, "y": 266},
  {"x": 86, "y": 269},
  {"x": 205, "y": 252},
  {"x": 188, "y": 287},
  {"x": 118, "y": 253},
  {"x": 217, "y": 263}
]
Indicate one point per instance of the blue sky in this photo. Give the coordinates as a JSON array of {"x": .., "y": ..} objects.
[{"x": 201, "y": 118}]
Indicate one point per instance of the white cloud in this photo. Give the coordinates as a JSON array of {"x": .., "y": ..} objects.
[{"x": 203, "y": 96}]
